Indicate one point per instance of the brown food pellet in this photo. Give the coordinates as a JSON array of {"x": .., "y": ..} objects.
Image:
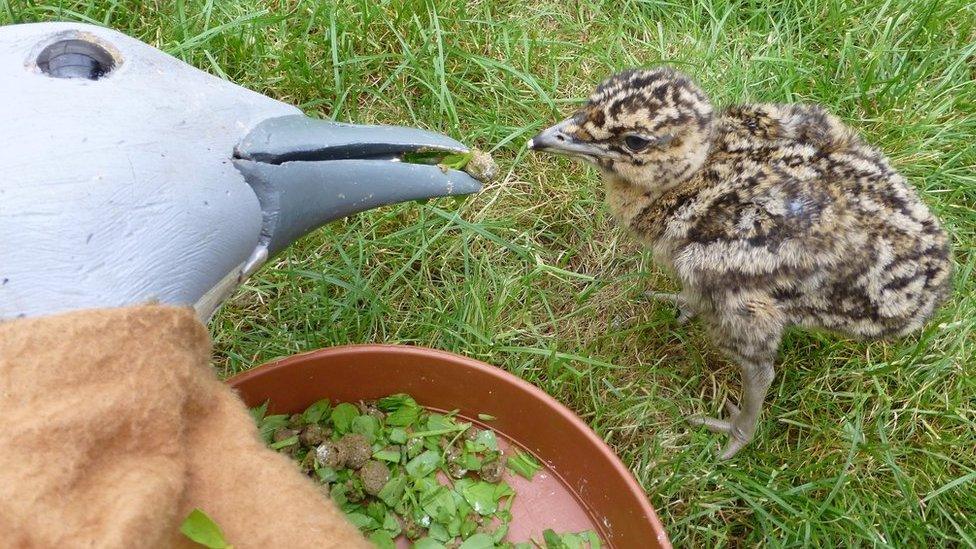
[
  {"x": 282, "y": 434},
  {"x": 493, "y": 470},
  {"x": 374, "y": 475},
  {"x": 456, "y": 470},
  {"x": 312, "y": 435},
  {"x": 481, "y": 166},
  {"x": 328, "y": 455},
  {"x": 285, "y": 434},
  {"x": 414, "y": 447},
  {"x": 452, "y": 453},
  {"x": 308, "y": 463},
  {"x": 369, "y": 408},
  {"x": 355, "y": 450}
]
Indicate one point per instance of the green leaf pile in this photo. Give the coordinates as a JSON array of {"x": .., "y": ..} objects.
[{"x": 396, "y": 468}]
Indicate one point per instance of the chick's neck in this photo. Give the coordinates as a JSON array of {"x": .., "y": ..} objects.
[{"x": 646, "y": 211}]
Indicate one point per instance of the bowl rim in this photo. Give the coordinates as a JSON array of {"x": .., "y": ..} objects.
[{"x": 495, "y": 372}]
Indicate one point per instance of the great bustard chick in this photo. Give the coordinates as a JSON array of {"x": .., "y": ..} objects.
[{"x": 770, "y": 216}]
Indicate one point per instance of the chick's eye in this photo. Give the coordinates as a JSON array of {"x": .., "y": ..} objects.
[{"x": 636, "y": 143}]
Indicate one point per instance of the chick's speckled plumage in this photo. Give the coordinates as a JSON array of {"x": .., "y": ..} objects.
[{"x": 770, "y": 216}]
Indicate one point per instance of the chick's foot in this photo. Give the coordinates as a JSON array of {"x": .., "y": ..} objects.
[{"x": 740, "y": 428}]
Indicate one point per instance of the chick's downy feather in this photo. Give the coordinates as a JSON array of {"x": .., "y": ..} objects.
[{"x": 770, "y": 216}]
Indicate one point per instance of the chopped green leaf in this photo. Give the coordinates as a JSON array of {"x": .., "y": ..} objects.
[
  {"x": 480, "y": 495},
  {"x": 391, "y": 524},
  {"x": 524, "y": 464},
  {"x": 486, "y": 440},
  {"x": 392, "y": 491},
  {"x": 376, "y": 511},
  {"x": 397, "y": 435},
  {"x": 440, "y": 422},
  {"x": 470, "y": 462},
  {"x": 393, "y": 403},
  {"x": 317, "y": 412},
  {"x": 572, "y": 541},
  {"x": 427, "y": 543},
  {"x": 342, "y": 417},
  {"x": 366, "y": 426},
  {"x": 203, "y": 530},
  {"x": 326, "y": 474},
  {"x": 440, "y": 533},
  {"x": 581, "y": 540},
  {"x": 284, "y": 442},
  {"x": 424, "y": 464},
  {"x": 362, "y": 521},
  {"x": 468, "y": 527},
  {"x": 338, "y": 494},
  {"x": 456, "y": 161},
  {"x": 453, "y": 527},
  {"x": 439, "y": 504},
  {"x": 382, "y": 540},
  {"x": 404, "y": 415},
  {"x": 499, "y": 534},
  {"x": 393, "y": 456},
  {"x": 552, "y": 539},
  {"x": 270, "y": 424},
  {"x": 257, "y": 413},
  {"x": 428, "y": 434},
  {"x": 478, "y": 541},
  {"x": 486, "y": 417},
  {"x": 423, "y": 156}
]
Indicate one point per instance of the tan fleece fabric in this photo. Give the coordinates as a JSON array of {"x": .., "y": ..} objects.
[{"x": 115, "y": 427}]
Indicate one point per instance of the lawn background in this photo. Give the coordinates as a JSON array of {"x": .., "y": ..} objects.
[{"x": 860, "y": 444}]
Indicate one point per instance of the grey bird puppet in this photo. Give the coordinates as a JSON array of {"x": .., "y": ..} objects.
[
  {"x": 770, "y": 216},
  {"x": 130, "y": 176}
]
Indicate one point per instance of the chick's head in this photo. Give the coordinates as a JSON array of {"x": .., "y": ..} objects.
[{"x": 650, "y": 127}]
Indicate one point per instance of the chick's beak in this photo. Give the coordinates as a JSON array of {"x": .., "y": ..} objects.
[{"x": 559, "y": 139}]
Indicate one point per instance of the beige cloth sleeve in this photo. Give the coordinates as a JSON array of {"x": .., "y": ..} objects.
[{"x": 115, "y": 427}]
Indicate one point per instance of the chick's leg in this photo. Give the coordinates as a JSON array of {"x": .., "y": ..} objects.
[
  {"x": 754, "y": 351},
  {"x": 685, "y": 310}
]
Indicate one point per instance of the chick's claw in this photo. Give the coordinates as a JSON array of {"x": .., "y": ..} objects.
[
  {"x": 736, "y": 426},
  {"x": 732, "y": 448}
]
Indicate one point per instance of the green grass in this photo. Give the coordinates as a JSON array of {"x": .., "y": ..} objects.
[{"x": 860, "y": 444}]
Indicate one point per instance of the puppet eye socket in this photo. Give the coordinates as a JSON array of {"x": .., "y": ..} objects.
[{"x": 75, "y": 58}]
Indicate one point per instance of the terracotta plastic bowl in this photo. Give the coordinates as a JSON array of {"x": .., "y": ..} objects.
[{"x": 584, "y": 485}]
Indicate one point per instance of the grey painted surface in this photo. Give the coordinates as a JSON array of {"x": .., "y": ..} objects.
[
  {"x": 300, "y": 138},
  {"x": 308, "y": 172},
  {"x": 123, "y": 189},
  {"x": 303, "y": 195}
]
